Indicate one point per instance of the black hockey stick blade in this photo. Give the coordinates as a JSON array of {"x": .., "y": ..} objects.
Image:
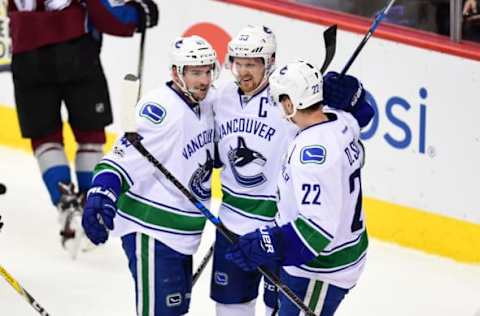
[{"x": 330, "y": 39}]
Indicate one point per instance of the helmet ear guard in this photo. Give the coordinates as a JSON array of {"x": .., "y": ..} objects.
[{"x": 301, "y": 81}]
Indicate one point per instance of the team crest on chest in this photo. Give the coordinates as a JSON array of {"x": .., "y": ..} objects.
[
  {"x": 245, "y": 163},
  {"x": 200, "y": 177}
]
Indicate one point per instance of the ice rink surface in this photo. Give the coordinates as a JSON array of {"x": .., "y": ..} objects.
[{"x": 396, "y": 281}]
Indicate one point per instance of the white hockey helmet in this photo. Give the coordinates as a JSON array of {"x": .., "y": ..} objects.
[
  {"x": 192, "y": 51},
  {"x": 254, "y": 41},
  {"x": 301, "y": 81}
]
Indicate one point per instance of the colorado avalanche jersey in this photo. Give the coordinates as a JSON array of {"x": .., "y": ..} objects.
[
  {"x": 180, "y": 136},
  {"x": 320, "y": 194},
  {"x": 251, "y": 136}
]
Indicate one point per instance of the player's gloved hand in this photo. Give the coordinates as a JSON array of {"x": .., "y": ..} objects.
[
  {"x": 147, "y": 12},
  {"x": 98, "y": 213},
  {"x": 342, "y": 93},
  {"x": 347, "y": 94},
  {"x": 259, "y": 248}
]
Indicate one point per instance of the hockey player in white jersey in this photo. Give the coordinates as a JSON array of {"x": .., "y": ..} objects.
[
  {"x": 319, "y": 237},
  {"x": 252, "y": 135},
  {"x": 159, "y": 228}
]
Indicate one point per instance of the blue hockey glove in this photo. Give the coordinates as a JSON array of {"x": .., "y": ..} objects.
[
  {"x": 98, "y": 214},
  {"x": 347, "y": 94},
  {"x": 342, "y": 93},
  {"x": 259, "y": 248},
  {"x": 147, "y": 13},
  {"x": 100, "y": 207}
]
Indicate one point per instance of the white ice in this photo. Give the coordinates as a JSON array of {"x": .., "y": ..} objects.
[{"x": 396, "y": 281}]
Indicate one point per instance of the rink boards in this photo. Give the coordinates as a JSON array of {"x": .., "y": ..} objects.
[{"x": 420, "y": 179}]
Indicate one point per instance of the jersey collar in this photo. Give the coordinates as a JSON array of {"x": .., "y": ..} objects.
[
  {"x": 194, "y": 106},
  {"x": 244, "y": 99},
  {"x": 332, "y": 117}
]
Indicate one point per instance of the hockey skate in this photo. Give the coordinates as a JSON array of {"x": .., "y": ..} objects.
[{"x": 70, "y": 209}]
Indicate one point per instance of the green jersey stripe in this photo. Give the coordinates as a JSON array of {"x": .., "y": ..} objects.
[
  {"x": 313, "y": 237},
  {"x": 259, "y": 207},
  {"x": 342, "y": 257},
  {"x": 315, "y": 295},
  {"x": 145, "y": 275},
  {"x": 160, "y": 217}
]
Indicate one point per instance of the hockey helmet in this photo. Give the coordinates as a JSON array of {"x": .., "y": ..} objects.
[{"x": 301, "y": 81}]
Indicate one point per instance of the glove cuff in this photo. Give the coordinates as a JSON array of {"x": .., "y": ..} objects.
[
  {"x": 107, "y": 183},
  {"x": 272, "y": 241},
  {"x": 102, "y": 191}
]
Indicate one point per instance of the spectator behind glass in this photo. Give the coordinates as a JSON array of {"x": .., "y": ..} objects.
[
  {"x": 419, "y": 14},
  {"x": 471, "y": 20}
]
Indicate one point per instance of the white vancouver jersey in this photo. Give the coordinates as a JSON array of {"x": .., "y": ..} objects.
[
  {"x": 252, "y": 137},
  {"x": 320, "y": 194},
  {"x": 180, "y": 136}
]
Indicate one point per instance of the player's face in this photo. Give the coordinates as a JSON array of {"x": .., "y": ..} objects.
[
  {"x": 249, "y": 72},
  {"x": 198, "y": 80}
]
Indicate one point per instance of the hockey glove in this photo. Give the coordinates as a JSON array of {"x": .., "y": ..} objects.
[
  {"x": 342, "y": 93},
  {"x": 259, "y": 248},
  {"x": 347, "y": 94},
  {"x": 147, "y": 13},
  {"x": 100, "y": 207}
]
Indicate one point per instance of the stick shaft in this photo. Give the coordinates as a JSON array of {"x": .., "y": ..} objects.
[
  {"x": 141, "y": 54},
  {"x": 373, "y": 27},
  {"x": 20, "y": 290},
  {"x": 202, "y": 265}
]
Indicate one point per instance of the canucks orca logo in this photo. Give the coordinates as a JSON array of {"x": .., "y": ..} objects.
[
  {"x": 200, "y": 177},
  {"x": 313, "y": 154},
  {"x": 154, "y": 112},
  {"x": 241, "y": 158}
]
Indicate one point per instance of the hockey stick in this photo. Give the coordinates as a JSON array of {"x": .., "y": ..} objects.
[
  {"x": 376, "y": 22},
  {"x": 140, "y": 63},
  {"x": 202, "y": 265},
  {"x": 20, "y": 290},
  {"x": 130, "y": 86},
  {"x": 330, "y": 40}
]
